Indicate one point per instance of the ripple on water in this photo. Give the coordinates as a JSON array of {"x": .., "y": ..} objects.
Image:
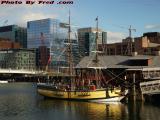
[{"x": 20, "y": 101}]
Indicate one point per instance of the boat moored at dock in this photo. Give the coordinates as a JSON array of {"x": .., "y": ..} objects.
[
  {"x": 99, "y": 95},
  {"x": 79, "y": 86}
]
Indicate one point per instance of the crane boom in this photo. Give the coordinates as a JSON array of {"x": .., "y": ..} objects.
[{"x": 130, "y": 31}]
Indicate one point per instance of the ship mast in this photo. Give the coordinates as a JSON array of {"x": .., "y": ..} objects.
[
  {"x": 70, "y": 61},
  {"x": 69, "y": 47},
  {"x": 96, "y": 42},
  {"x": 96, "y": 60}
]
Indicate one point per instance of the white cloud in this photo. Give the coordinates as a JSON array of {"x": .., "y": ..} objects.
[
  {"x": 34, "y": 16},
  {"x": 20, "y": 14},
  {"x": 115, "y": 36},
  {"x": 152, "y": 26}
]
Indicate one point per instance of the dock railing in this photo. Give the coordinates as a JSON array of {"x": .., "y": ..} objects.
[{"x": 150, "y": 87}]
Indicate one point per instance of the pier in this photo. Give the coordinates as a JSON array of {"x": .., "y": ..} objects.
[
  {"x": 126, "y": 71},
  {"x": 116, "y": 71}
]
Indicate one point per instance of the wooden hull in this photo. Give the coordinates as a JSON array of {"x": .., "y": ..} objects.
[
  {"x": 48, "y": 91},
  {"x": 72, "y": 95}
]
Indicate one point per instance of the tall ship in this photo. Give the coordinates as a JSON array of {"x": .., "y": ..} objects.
[{"x": 75, "y": 87}]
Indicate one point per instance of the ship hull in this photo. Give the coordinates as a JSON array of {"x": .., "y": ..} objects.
[
  {"x": 108, "y": 100},
  {"x": 49, "y": 91}
]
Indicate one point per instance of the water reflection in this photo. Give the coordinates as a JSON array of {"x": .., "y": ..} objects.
[
  {"x": 143, "y": 111},
  {"x": 20, "y": 101},
  {"x": 83, "y": 110},
  {"x": 93, "y": 111},
  {"x": 16, "y": 101}
]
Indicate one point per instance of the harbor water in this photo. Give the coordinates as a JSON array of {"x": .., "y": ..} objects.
[{"x": 20, "y": 101}]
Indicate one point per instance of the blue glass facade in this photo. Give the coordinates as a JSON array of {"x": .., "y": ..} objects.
[
  {"x": 86, "y": 39},
  {"x": 15, "y": 34},
  {"x": 52, "y": 34}
]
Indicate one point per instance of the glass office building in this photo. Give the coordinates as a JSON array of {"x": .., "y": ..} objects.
[
  {"x": 17, "y": 59},
  {"x": 86, "y": 39},
  {"x": 15, "y": 34},
  {"x": 52, "y": 34}
]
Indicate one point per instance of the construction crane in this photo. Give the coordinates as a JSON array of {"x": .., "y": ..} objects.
[
  {"x": 130, "y": 31},
  {"x": 129, "y": 39},
  {"x": 5, "y": 23},
  {"x": 129, "y": 45}
]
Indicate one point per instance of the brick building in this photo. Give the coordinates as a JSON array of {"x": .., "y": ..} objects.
[
  {"x": 7, "y": 44},
  {"x": 14, "y": 33},
  {"x": 148, "y": 44}
]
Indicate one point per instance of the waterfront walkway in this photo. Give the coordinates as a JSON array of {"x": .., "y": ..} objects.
[{"x": 20, "y": 71}]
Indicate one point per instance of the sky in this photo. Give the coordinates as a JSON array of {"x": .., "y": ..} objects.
[{"x": 115, "y": 16}]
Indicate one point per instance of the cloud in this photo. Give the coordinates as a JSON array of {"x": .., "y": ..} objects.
[
  {"x": 151, "y": 26},
  {"x": 34, "y": 16},
  {"x": 115, "y": 36},
  {"x": 20, "y": 14}
]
